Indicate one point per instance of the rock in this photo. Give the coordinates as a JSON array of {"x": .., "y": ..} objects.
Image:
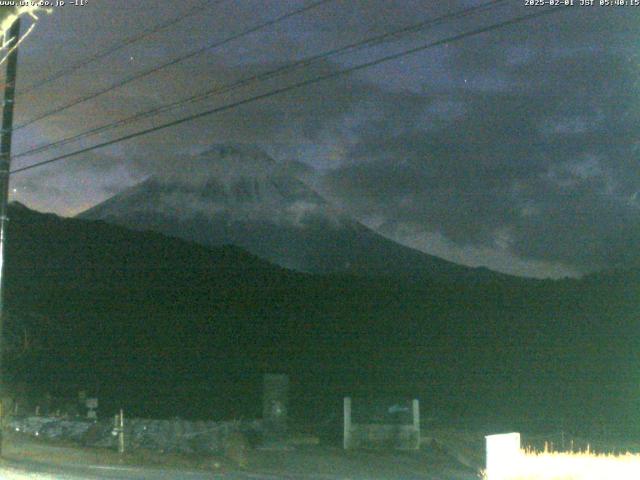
[{"x": 233, "y": 439}]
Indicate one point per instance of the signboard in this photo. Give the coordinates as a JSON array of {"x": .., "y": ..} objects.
[{"x": 381, "y": 423}]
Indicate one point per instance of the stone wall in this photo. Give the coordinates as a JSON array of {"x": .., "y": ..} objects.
[{"x": 179, "y": 436}]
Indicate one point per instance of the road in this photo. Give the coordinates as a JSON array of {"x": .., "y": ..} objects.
[
  {"x": 28, "y": 470},
  {"x": 23, "y": 470},
  {"x": 26, "y": 458}
]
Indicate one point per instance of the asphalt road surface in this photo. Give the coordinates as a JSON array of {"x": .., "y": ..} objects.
[
  {"x": 26, "y": 458},
  {"x": 13, "y": 470},
  {"x": 27, "y": 470}
]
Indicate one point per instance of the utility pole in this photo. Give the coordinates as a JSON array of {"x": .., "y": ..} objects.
[{"x": 5, "y": 167}]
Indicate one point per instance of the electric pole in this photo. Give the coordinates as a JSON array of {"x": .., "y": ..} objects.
[{"x": 5, "y": 167}]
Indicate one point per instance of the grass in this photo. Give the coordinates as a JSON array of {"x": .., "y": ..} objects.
[{"x": 585, "y": 465}]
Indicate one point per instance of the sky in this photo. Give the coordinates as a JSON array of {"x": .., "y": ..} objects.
[{"x": 516, "y": 149}]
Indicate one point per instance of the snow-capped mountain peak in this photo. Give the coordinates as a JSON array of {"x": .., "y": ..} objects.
[{"x": 237, "y": 194}]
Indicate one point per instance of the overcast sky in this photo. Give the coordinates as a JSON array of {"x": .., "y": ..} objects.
[{"x": 518, "y": 149}]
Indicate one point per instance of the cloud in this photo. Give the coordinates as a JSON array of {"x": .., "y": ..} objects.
[
  {"x": 519, "y": 146},
  {"x": 544, "y": 167}
]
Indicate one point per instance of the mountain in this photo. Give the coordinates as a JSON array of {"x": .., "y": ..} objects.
[
  {"x": 165, "y": 327},
  {"x": 137, "y": 316},
  {"x": 238, "y": 195}
]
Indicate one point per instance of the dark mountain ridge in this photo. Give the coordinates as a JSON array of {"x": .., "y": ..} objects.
[{"x": 166, "y": 327}]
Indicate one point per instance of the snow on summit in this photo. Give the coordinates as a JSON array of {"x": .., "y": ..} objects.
[{"x": 239, "y": 195}]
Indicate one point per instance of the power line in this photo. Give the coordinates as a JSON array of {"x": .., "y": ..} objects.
[
  {"x": 175, "y": 61},
  {"x": 300, "y": 84},
  {"x": 366, "y": 43},
  {"x": 119, "y": 46}
]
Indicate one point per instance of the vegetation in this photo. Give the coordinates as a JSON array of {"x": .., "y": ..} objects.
[
  {"x": 164, "y": 328},
  {"x": 572, "y": 466}
]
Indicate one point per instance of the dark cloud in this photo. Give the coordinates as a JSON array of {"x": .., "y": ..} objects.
[
  {"x": 545, "y": 166},
  {"x": 516, "y": 146}
]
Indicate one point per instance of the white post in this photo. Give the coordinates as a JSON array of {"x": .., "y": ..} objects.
[
  {"x": 416, "y": 420},
  {"x": 347, "y": 423},
  {"x": 121, "y": 433},
  {"x": 503, "y": 454},
  {"x": 118, "y": 430}
]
